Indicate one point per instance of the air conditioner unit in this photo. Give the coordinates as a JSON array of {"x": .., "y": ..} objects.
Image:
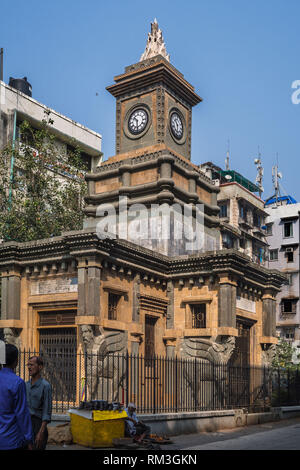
[
  {"x": 289, "y": 250},
  {"x": 216, "y": 182}
]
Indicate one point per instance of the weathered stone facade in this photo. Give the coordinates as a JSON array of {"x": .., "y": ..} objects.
[{"x": 78, "y": 272}]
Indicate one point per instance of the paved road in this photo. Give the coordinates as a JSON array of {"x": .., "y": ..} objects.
[{"x": 283, "y": 435}]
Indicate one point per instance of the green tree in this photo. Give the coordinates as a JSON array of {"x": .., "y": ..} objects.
[
  {"x": 42, "y": 188},
  {"x": 284, "y": 355}
]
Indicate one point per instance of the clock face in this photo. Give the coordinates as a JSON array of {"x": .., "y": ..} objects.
[
  {"x": 176, "y": 125},
  {"x": 138, "y": 121}
]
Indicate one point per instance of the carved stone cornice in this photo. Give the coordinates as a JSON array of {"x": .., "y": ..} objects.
[
  {"x": 86, "y": 243},
  {"x": 154, "y": 72}
]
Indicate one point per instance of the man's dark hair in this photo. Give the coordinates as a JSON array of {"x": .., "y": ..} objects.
[
  {"x": 39, "y": 360},
  {"x": 11, "y": 354}
]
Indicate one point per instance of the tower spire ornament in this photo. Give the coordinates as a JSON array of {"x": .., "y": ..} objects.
[{"x": 155, "y": 43}]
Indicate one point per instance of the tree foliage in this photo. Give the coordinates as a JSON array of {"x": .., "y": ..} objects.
[
  {"x": 284, "y": 355},
  {"x": 42, "y": 187}
]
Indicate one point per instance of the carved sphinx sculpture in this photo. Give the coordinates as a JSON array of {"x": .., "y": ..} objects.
[
  {"x": 103, "y": 370},
  {"x": 210, "y": 370},
  {"x": 217, "y": 350}
]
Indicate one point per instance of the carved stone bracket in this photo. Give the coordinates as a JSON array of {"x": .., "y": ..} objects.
[
  {"x": 170, "y": 340},
  {"x": 138, "y": 337}
]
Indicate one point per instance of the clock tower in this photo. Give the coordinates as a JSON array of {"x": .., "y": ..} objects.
[
  {"x": 153, "y": 102},
  {"x": 152, "y": 165}
]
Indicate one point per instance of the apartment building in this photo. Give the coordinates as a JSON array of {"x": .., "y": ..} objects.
[
  {"x": 242, "y": 214},
  {"x": 282, "y": 230},
  {"x": 17, "y": 105}
]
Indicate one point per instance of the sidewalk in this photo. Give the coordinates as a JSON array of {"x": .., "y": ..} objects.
[{"x": 185, "y": 441}]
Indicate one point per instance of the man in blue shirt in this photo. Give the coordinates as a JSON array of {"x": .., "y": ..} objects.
[
  {"x": 39, "y": 398},
  {"x": 15, "y": 423}
]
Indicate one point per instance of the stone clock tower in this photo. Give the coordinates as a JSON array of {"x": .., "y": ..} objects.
[
  {"x": 152, "y": 164},
  {"x": 154, "y": 102}
]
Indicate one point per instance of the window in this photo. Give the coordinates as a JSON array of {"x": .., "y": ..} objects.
[
  {"x": 289, "y": 333},
  {"x": 227, "y": 241},
  {"x": 288, "y": 306},
  {"x": 290, "y": 279},
  {"x": 269, "y": 230},
  {"x": 288, "y": 229},
  {"x": 258, "y": 253},
  {"x": 242, "y": 212},
  {"x": 256, "y": 220},
  {"x": 223, "y": 210},
  {"x": 113, "y": 300},
  {"x": 198, "y": 316},
  {"x": 273, "y": 255}
]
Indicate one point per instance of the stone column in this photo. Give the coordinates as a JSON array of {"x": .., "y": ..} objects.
[
  {"x": 93, "y": 287},
  {"x": 135, "y": 348},
  {"x": 126, "y": 178},
  {"x": 269, "y": 314},
  {"x": 227, "y": 302},
  {"x": 170, "y": 349},
  {"x": 166, "y": 162},
  {"x": 82, "y": 279},
  {"x": 136, "y": 298},
  {"x": 89, "y": 274},
  {"x": 170, "y": 308},
  {"x": 193, "y": 177},
  {"x": 166, "y": 170},
  {"x": 4, "y": 289},
  {"x": 11, "y": 294}
]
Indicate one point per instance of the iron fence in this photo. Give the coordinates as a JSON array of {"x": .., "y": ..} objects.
[{"x": 162, "y": 385}]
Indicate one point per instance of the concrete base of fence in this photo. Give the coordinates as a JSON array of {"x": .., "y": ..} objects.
[{"x": 172, "y": 424}]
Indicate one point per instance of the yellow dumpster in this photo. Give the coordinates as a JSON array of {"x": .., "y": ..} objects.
[{"x": 97, "y": 428}]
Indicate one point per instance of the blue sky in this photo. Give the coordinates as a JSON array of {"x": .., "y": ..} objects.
[{"x": 241, "y": 56}]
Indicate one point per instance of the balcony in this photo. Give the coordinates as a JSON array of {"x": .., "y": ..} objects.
[
  {"x": 245, "y": 223},
  {"x": 259, "y": 231}
]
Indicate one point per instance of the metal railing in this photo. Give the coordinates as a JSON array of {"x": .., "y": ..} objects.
[{"x": 162, "y": 385}]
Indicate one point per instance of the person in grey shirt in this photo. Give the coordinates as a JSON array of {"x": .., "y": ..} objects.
[{"x": 39, "y": 399}]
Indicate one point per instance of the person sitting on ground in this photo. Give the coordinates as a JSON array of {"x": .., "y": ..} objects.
[{"x": 133, "y": 426}]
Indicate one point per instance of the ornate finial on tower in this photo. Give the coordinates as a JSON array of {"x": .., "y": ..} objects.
[{"x": 155, "y": 43}]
